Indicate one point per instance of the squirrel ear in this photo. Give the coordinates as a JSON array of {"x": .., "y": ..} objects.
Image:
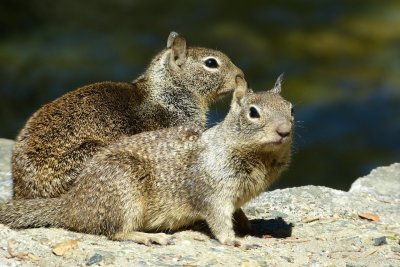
[
  {"x": 241, "y": 89},
  {"x": 278, "y": 85},
  {"x": 177, "y": 44}
]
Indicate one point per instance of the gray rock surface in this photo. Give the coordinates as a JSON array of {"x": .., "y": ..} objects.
[
  {"x": 5, "y": 168},
  {"x": 381, "y": 181},
  {"x": 319, "y": 227}
]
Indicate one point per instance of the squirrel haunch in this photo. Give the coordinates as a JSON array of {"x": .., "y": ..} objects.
[
  {"x": 171, "y": 178},
  {"x": 60, "y": 137}
]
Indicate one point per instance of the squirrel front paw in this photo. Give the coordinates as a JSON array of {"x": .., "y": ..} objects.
[{"x": 240, "y": 243}]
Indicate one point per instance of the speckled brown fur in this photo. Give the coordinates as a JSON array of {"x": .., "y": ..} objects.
[
  {"x": 59, "y": 138},
  {"x": 170, "y": 178}
]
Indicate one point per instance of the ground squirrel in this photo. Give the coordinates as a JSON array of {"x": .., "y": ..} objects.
[
  {"x": 166, "y": 179},
  {"x": 176, "y": 89}
]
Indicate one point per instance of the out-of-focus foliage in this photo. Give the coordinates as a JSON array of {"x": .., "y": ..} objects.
[{"x": 341, "y": 59}]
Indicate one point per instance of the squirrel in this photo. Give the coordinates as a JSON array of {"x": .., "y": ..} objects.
[
  {"x": 176, "y": 89},
  {"x": 167, "y": 179}
]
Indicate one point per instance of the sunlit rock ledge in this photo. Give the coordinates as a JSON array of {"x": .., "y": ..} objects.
[{"x": 301, "y": 226}]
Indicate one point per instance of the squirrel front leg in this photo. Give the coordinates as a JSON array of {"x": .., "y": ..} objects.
[{"x": 219, "y": 219}]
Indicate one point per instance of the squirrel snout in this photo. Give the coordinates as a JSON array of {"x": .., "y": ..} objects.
[{"x": 283, "y": 130}]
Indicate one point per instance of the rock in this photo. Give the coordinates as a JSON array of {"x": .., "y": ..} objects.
[
  {"x": 396, "y": 249},
  {"x": 250, "y": 264},
  {"x": 65, "y": 247},
  {"x": 382, "y": 181},
  {"x": 5, "y": 169},
  {"x": 96, "y": 258},
  {"x": 379, "y": 241},
  {"x": 302, "y": 226}
]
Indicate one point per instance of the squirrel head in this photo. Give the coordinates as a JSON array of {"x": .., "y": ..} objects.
[
  {"x": 206, "y": 73},
  {"x": 262, "y": 120}
]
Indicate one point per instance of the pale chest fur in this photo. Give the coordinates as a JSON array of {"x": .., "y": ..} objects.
[
  {"x": 240, "y": 176},
  {"x": 237, "y": 178}
]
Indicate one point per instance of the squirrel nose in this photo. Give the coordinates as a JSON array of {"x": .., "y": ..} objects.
[{"x": 283, "y": 130}]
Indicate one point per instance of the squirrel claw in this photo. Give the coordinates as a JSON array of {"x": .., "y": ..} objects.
[
  {"x": 147, "y": 239},
  {"x": 247, "y": 246},
  {"x": 161, "y": 239},
  {"x": 240, "y": 244}
]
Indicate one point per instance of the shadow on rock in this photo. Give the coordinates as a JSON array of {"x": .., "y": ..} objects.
[{"x": 277, "y": 228}]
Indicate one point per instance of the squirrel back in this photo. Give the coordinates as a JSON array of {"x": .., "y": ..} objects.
[
  {"x": 171, "y": 178},
  {"x": 176, "y": 89}
]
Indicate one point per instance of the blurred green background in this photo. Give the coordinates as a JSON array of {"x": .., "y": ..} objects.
[{"x": 341, "y": 59}]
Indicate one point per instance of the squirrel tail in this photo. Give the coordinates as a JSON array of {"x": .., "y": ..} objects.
[{"x": 31, "y": 213}]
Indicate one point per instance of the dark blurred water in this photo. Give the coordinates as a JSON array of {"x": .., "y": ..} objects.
[{"x": 341, "y": 59}]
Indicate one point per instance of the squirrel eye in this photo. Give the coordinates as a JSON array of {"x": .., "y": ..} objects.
[
  {"x": 292, "y": 111},
  {"x": 254, "y": 113},
  {"x": 211, "y": 63}
]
